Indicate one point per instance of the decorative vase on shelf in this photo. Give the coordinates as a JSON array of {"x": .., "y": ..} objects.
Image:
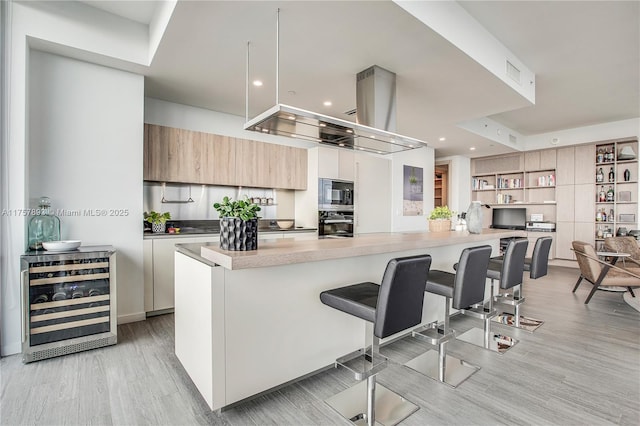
[
  {"x": 627, "y": 175},
  {"x": 474, "y": 217},
  {"x": 159, "y": 228},
  {"x": 44, "y": 226}
]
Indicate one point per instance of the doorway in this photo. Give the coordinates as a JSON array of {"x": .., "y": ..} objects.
[{"x": 440, "y": 188}]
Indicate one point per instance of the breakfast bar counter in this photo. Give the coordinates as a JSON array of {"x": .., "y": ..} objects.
[{"x": 247, "y": 322}]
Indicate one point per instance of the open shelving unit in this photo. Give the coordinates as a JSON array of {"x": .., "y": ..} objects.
[{"x": 621, "y": 212}]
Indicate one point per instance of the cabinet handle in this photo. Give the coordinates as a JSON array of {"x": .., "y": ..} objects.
[{"x": 24, "y": 278}]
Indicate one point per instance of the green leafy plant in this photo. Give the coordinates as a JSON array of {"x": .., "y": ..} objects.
[
  {"x": 413, "y": 178},
  {"x": 441, "y": 212},
  {"x": 157, "y": 218},
  {"x": 244, "y": 209}
]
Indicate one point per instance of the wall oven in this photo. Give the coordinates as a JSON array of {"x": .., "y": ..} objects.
[
  {"x": 335, "y": 195},
  {"x": 335, "y": 224}
]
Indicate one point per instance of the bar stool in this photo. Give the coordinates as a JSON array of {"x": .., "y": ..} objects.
[
  {"x": 537, "y": 266},
  {"x": 509, "y": 275},
  {"x": 391, "y": 307},
  {"x": 463, "y": 289}
]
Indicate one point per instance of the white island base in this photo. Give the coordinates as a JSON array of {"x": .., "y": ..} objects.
[{"x": 241, "y": 332}]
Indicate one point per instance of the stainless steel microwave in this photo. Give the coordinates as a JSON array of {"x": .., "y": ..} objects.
[{"x": 335, "y": 194}]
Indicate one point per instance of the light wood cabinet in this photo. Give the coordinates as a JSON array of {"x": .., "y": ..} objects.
[
  {"x": 185, "y": 156},
  {"x": 585, "y": 159},
  {"x": 540, "y": 160},
  {"x": 565, "y": 166}
]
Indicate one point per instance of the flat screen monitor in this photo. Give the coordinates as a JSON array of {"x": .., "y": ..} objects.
[{"x": 512, "y": 218}]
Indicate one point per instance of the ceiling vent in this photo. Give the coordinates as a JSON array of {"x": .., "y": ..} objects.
[{"x": 513, "y": 72}]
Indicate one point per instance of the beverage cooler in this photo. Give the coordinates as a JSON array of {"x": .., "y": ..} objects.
[{"x": 69, "y": 301}]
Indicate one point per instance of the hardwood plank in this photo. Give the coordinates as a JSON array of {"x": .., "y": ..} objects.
[{"x": 581, "y": 367}]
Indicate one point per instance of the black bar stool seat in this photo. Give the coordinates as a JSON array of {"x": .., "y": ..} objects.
[
  {"x": 537, "y": 266},
  {"x": 509, "y": 275},
  {"x": 389, "y": 308},
  {"x": 460, "y": 290}
]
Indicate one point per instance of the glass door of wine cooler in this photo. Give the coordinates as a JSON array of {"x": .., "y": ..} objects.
[{"x": 68, "y": 301}]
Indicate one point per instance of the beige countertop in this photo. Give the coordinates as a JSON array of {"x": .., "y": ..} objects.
[{"x": 289, "y": 251}]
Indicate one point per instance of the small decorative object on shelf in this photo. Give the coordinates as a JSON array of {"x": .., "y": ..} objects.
[
  {"x": 238, "y": 224},
  {"x": 600, "y": 175},
  {"x": 474, "y": 217},
  {"x": 440, "y": 219},
  {"x": 610, "y": 195},
  {"x": 600, "y": 156},
  {"x": 602, "y": 195},
  {"x": 612, "y": 175},
  {"x": 627, "y": 175},
  {"x": 626, "y": 153},
  {"x": 44, "y": 226},
  {"x": 157, "y": 220}
]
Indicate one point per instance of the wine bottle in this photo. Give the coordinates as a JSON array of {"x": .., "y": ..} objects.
[
  {"x": 600, "y": 175},
  {"x": 610, "y": 194},
  {"x": 612, "y": 175}
]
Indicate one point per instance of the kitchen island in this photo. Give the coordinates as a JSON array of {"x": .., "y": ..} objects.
[{"x": 246, "y": 322}]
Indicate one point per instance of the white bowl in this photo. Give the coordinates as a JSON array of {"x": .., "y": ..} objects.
[
  {"x": 61, "y": 245},
  {"x": 284, "y": 224}
]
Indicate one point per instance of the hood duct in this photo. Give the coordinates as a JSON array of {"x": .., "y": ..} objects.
[{"x": 375, "y": 116}]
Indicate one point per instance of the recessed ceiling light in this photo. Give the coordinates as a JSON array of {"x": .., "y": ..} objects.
[
  {"x": 293, "y": 135},
  {"x": 443, "y": 139},
  {"x": 410, "y": 146},
  {"x": 473, "y": 148},
  {"x": 360, "y": 148},
  {"x": 349, "y": 131},
  {"x": 257, "y": 83},
  {"x": 323, "y": 124},
  {"x": 327, "y": 103},
  {"x": 340, "y": 144},
  {"x": 291, "y": 117}
]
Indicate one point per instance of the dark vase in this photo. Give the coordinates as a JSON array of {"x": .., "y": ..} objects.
[
  {"x": 238, "y": 235},
  {"x": 627, "y": 175}
]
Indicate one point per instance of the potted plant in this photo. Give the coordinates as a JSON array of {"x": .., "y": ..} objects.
[
  {"x": 440, "y": 219},
  {"x": 238, "y": 224},
  {"x": 157, "y": 220}
]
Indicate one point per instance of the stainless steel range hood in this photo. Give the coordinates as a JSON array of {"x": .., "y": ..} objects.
[{"x": 375, "y": 112}]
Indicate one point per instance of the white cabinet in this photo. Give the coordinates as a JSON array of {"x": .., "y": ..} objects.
[
  {"x": 336, "y": 164},
  {"x": 158, "y": 264},
  {"x": 147, "y": 267},
  {"x": 372, "y": 194}
]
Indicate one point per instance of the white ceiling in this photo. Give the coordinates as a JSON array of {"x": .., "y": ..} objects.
[{"x": 586, "y": 57}]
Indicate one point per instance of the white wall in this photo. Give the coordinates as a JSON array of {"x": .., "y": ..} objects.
[
  {"x": 459, "y": 183},
  {"x": 85, "y": 152},
  {"x": 422, "y": 157}
]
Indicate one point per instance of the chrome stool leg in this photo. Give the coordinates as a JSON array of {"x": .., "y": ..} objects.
[
  {"x": 486, "y": 338},
  {"x": 438, "y": 365},
  {"x": 515, "y": 319},
  {"x": 369, "y": 402}
]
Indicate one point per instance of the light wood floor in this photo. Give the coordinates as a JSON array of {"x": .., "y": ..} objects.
[{"x": 582, "y": 367}]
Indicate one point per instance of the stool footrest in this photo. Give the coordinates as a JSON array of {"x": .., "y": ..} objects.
[
  {"x": 479, "y": 312},
  {"x": 361, "y": 365},
  {"x": 508, "y": 299},
  {"x": 433, "y": 335}
]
